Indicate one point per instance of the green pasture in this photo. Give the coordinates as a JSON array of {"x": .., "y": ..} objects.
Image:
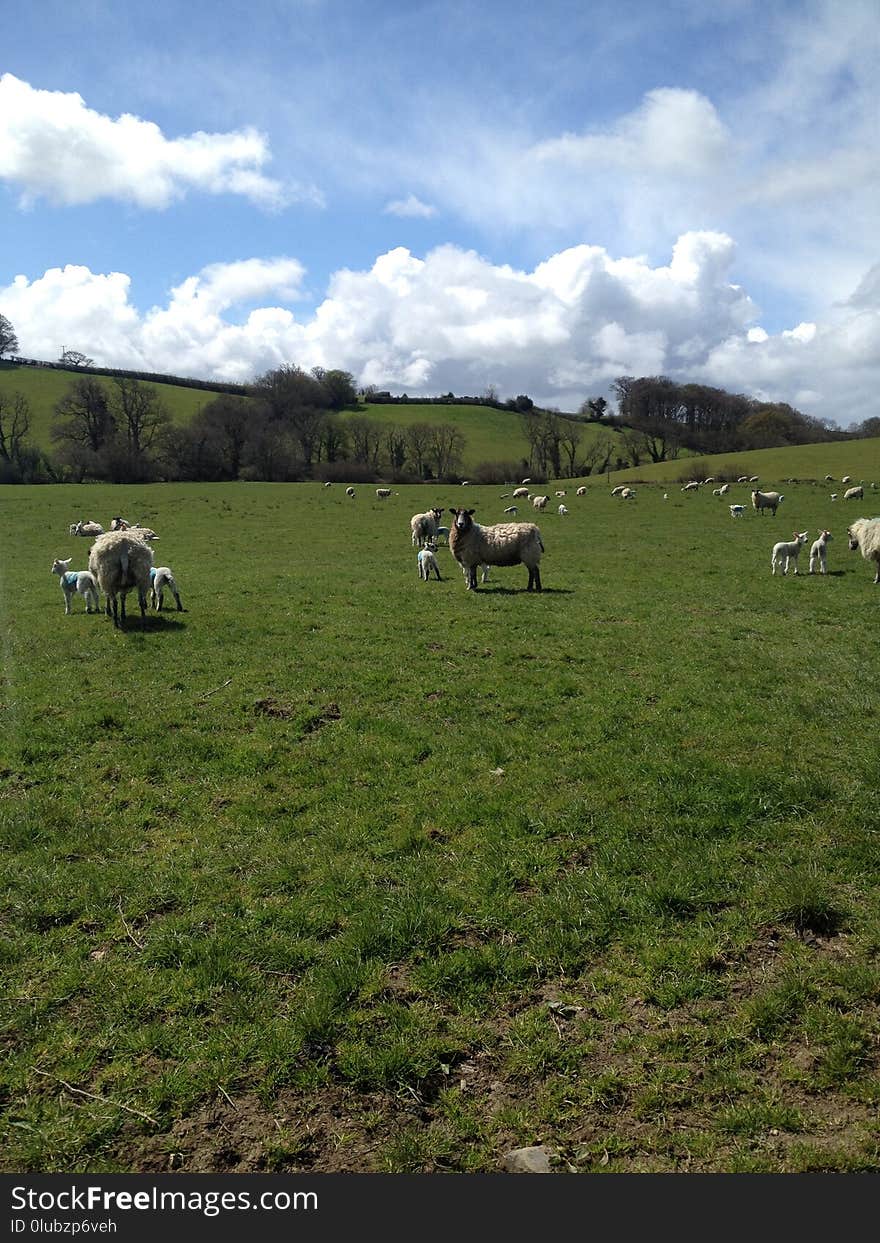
[
  {"x": 858, "y": 458},
  {"x": 341, "y": 870}
]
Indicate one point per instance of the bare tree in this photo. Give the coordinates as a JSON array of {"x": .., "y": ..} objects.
[
  {"x": 418, "y": 440},
  {"x": 15, "y": 420},
  {"x": 84, "y": 415},
  {"x": 570, "y": 437},
  {"x": 139, "y": 413},
  {"x": 366, "y": 441},
  {"x": 445, "y": 448}
]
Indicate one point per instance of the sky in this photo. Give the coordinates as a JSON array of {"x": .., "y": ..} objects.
[{"x": 451, "y": 195}]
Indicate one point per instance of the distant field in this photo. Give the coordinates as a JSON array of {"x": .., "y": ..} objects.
[
  {"x": 858, "y": 458},
  {"x": 339, "y": 870}
]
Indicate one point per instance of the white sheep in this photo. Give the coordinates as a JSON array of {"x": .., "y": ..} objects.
[
  {"x": 424, "y": 526},
  {"x": 742, "y": 479},
  {"x": 737, "y": 511},
  {"x": 833, "y": 496},
  {"x": 753, "y": 478},
  {"x": 628, "y": 494},
  {"x": 582, "y": 491},
  {"x": 558, "y": 494},
  {"x": 160, "y": 579},
  {"x": 86, "y": 528},
  {"x": 621, "y": 487},
  {"x": 693, "y": 486},
  {"x": 829, "y": 479},
  {"x": 786, "y": 552},
  {"x": 666, "y": 496},
  {"x": 540, "y": 502},
  {"x": 854, "y": 494},
  {"x": 511, "y": 509},
  {"x": 724, "y": 489},
  {"x": 562, "y": 511},
  {"x": 428, "y": 562},
  {"x": 819, "y": 552},
  {"x": 845, "y": 479},
  {"x": 765, "y": 500},
  {"x": 441, "y": 535},
  {"x": 142, "y": 532},
  {"x": 119, "y": 524},
  {"x": 508, "y": 543},
  {"x": 349, "y": 491},
  {"x": 77, "y": 582},
  {"x": 864, "y": 534},
  {"x": 120, "y": 561},
  {"x": 382, "y": 494},
  {"x": 520, "y": 492}
]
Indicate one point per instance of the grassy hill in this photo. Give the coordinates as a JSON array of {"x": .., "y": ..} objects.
[{"x": 858, "y": 458}]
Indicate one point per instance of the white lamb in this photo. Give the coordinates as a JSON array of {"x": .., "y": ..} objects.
[
  {"x": 562, "y": 511},
  {"x": 427, "y": 563},
  {"x": 382, "y": 494},
  {"x": 864, "y": 534},
  {"x": 845, "y": 478},
  {"x": 160, "y": 579},
  {"x": 511, "y": 509},
  {"x": 77, "y": 582},
  {"x": 120, "y": 561},
  {"x": 737, "y": 511},
  {"x": 508, "y": 543},
  {"x": 786, "y": 552},
  {"x": 119, "y": 524},
  {"x": 819, "y": 552}
]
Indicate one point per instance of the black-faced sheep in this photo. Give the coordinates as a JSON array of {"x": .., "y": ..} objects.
[
  {"x": 77, "y": 582},
  {"x": 864, "y": 534},
  {"x": 507, "y": 543},
  {"x": 424, "y": 526},
  {"x": 121, "y": 561}
]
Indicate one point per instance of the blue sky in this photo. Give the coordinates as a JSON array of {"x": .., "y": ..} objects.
[{"x": 443, "y": 196}]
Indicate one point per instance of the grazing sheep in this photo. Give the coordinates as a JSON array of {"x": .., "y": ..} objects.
[
  {"x": 327, "y": 483},
  {"x": 428, "y": 562},
  {"x": 349, "y": 491},
  {"x": 562, "y": 511},
  {"x": 819, "y": 552},
  {"x": 540, "y": 502},
  {"x": 864, "y": 534},
  {"x": 77, "y": 582},
  {"x": 520, "y": 492},
  {"x": 120, "y": 561},
  {"x": 621, "y": 487},
  {"x": 742, "y": 479},
  {"x": 692, "y": 486},
  {"x": 829, "y": 479},
  {"x": 160, "y": 578},
  {"x": 737, "y": 511},
  {"x": 845, "y": 479},
  {"x": 833, "y": 496},
  {"x": 86, "y": 528},
  {"x": 508, "y": 543},
  {"x": 753, "y": 478},
  {"x": 787, "y": 551},
  {"x": 526, "y": 480},
  {"x": 382, "y": 494},
  {"x": 854, "y": 494},
  {"x": 582, "y": 491},
  {"x": 709, "y": 479},
  {"x": 511, "y": 509},
  {"x": 765, "y": 500},
  {"x": 424, "y": 526}
]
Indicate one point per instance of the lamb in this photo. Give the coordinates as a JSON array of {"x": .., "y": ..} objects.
[
  {"x": 86, "y": 528},
  {"x": 427, "y": 563},
  {"x": 382, "y": 494},
  {"x": 864, "y": 534},
  {"x": 144, "y": 533},
  {"x": 787, "y": 551},
  {"x": 753, "y": 478},
  {"x": 560, "y": 493},
  {"x": 518, "y": 492},
  {"x": 737, "y": 511},
  {"x": 829, "y": 479},
  {"x": 540, "y": 502},
  {"x": 424, "y": 526},
  {"x": 349, "y": 491},
  {"x": 742, "y": 479},
  {"x": 833, "y": 496},
  {"x": 845, "y": 478},
  {"x": 582, "y": 491},
  {"x": 724, "y": 489},
  {"x": 562, "y": 511},
  {"x": 819, "y": 551},
  {"x": 121, "y": 560},
  {"x": 765, "y": 500},
  {"x": 160, "y": 578},
  {"x": 442, "y": 533},
  {"x": 77, "y": 582},
  {"x": 854, "y": 494},
  {"x": 508, "y": 543},
  {"x": 692, "y": 486},
  {"x": 511, "y": 509},
  {"x": 119, "y": 524}
]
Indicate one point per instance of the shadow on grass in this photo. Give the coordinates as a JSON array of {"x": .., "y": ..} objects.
[
  {"x": 523, "y": 591},
  {"x": 153, "y": 624}
]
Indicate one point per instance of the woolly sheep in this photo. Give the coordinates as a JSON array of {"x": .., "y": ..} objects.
[
  {"x": 77, "y": 582},
  {"x": 424, "y": 526},
  {"x": 854, "y": 494},
  {"x": 144, "y": 533},
  {"x": 582, "y": 491},
  {"x": 562, "y": 511},
  {"x": 845, "y": 478},
  {"x": 526, "y": 480},
  {"x": 349, "y": 491},
  {"x": 753, "y": 478},
  {"x": 692, "y": 486},
  {"x": 724, "y": 489},
  {"x": 628, "y": 494},
  {"x": 829, "y": 479},
  {"x": 765, "y": 500},
  {"x": 160, "y": 578},
  {"x": 864, "y": 534},
  {"x": 742, "y": 479},
  {"x": 511, "y": 509},
  {"x": 561, "y": 493},
  {"x": 508, "y": 543},
  {"x": 120, "y": 561},
  {"x": 519, "y": 492},
  {"x": 382, "y": 493},
  {"x": 819, "y": 552},
  {"x": 737, "y": 511},
  {"x": 119, "y": 524},
  {"x": 428, "y": 562},
  {"x": 621, "y": 487},
  {"x": 540, "y": 502},
  {"x": 786, "y": 552},
  {"x": 86, "y": 528}
]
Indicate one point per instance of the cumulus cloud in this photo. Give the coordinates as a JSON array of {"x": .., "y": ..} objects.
[
  {"x": 53, "y": 146},
  {"x": 410, "y": 206},
  {"x": 452, "y": 320}
]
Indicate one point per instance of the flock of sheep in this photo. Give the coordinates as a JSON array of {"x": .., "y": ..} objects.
[{"x": 120, "y": 560}]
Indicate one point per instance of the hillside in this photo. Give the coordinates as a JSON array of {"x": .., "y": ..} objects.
[{"x": 858, "y": 458}]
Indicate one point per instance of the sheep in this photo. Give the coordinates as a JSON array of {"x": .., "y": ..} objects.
[
  {"x": 621, "y": 487},
  {"x": 716, "y": 492},
  {"x": 119, "y": 524},
  {"x": 787, "y": 551},
  {"x": 327, "y": 483},
  {"x": 519, "y": 492},
  {"x": 737, "y": 511},
  {"x": 582, "y": 491},
  {"x": 724, "y": 489},
  {"x": 144, "y": 533},
  {"x": 424, "y": 526},
  {"x": 86, "y": 528},
  {"x": 845, "y": 479},
  {"x": 160, "y": 578},
  {"x": 709, "y": 479},
  {"x": 428, "y": 562},
  {"x": 349, "y": 492},
  {"x": 765, "y": 500},
  {"x": 508, "y": 543},
  {"x": 628, "y": 494},
  {"x": 753, "y": 478},
  {"x": 511, "y": 509},
  {"x": 864, "y": 534},
  {"x": 382, "y": 494},
  {"x": 442, "y": 533},
  {"x": 562, "y": 511},
  {"x": 526, "y": 480},
  {"x": 540, "y": 502},
  {"x": 560, "y": 493},
  {"x": 77, "y": 582},
  {"x": 692, "y": 486},
  {"x": 121, "y": 560},
  {"x": 819, "y": 551},
  {"x": 666, "y": 496},
  {"x": 829, "y": 479},
  {"x": 854, "y": 494},
  {"x": 742, "y": 479}
]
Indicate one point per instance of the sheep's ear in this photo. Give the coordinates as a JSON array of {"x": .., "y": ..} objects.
[{"x": 470, "y": 511}]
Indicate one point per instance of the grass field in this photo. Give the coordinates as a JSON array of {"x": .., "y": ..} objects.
[{"x": 339, "y": 870}]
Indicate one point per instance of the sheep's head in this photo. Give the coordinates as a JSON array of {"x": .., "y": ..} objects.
[
  {"x": 853, "y": 539},
  {"x": 463, "y": 521},
  {"x": 437, "y": 514},
  {"x": 59, "y": 566},
  {"x": 801, "y": 536}
]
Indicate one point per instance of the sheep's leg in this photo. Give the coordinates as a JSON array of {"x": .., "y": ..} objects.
[
  {"x": 472, "y": 578},
  {"x": 179, "y": 605},
  {"x": 142, "y": 601}
]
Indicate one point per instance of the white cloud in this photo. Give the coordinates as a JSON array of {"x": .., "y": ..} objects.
[
  {"x": 410, "y": 206},
  {"x": 453, "y": 320},
  {"x": 53, "y": 146}
]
